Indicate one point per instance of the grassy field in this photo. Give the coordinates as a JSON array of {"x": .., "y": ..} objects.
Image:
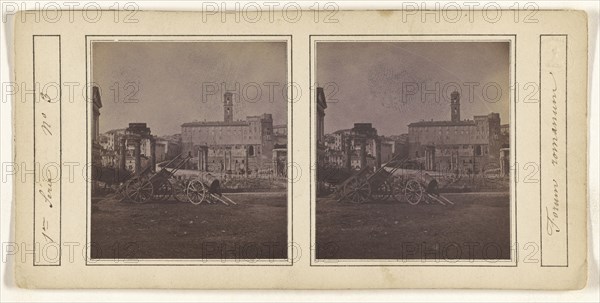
[
  {"x": 476, "y": 227},
  {"x": 256, "y": 228}
]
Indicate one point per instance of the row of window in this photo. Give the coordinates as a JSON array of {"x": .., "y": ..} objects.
[
  {"x": 227, "y": 130},
  {"x": 456, "y": 131},
  {"x": 478, "y": 150},
  {"x": 251, "y": 150},
  {"x": 448, "y": 138}
]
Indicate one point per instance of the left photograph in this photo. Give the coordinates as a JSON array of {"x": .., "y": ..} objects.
[{"x": 188, "y": 148}]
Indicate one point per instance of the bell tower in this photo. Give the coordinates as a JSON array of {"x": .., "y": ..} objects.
[
  {"x": 455, "y": 106},
  {"x": 228, "y": 107}
]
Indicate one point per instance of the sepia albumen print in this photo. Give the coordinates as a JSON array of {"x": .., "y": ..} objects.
[
  {"x": 413, "y": 150},
  {"x": 189, "y": 150}
]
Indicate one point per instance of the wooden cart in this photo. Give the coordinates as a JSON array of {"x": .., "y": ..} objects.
[
  {"x": 164, "y": 184},
  {"x": 157, "y": 186},
  {"x": 387, "y": 183}
]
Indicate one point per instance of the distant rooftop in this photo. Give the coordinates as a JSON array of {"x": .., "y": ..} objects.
[
  {"x": 215, "y": 123},
  {"x": 116, "y": 130},
  {"x": 267, "y": 117},
  {"x": 455, "y": 123},
  {"x": 342, "y": 131},
  {"x": 442, "y": 123}
]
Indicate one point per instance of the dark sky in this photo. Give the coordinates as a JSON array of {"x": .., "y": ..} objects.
[
  {"x": 383, "y": 82},
  {"x": 171, "y": 76}
]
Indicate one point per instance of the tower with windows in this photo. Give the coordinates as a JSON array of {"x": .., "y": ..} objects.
[
  {"x": 455, "y": 106},
  {"x": 228, "y": 107}
]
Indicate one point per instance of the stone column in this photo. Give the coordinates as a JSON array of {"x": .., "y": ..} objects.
[
  {"x": 200, "y": 159},
  {"x": 230, "y": 159},
  {"x": 137, "y": 155},
  {"x": 224, "y": 159},
  {"x": 506, "y": 165},
  {"x": 456, "y": 166},
  {"x": 122, "y": 159},
  {"x": 504, "y": 162},
  {"x": 205, "y": 154},
  {"x": 363, "y": 153},
  {"x": 433, "y": 158},
  {"x": 426, "y": 158},
  {"x": 153, "y": 154},
  {"x": 348, "y": 154},
  {"x": 430, "y": 158},
  {"x": 246, "y": 164},
  {"x": 378, "y": 152},
  {"x": 275, "y": 163}
]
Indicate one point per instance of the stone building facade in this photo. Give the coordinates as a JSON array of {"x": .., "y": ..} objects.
[
  {"x": 230, "y": 145},
  {"x": 357, "y": 147},
  {"x": 132, "y": 156},
  {"x": 165, "y": 149},
  {"x": 321, "y": 106},
  {"x": 456, "y": 145},
  {"x": 280, "y": 133},
  {"x": 96, "y": 146}
]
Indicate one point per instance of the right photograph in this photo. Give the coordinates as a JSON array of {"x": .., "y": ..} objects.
[{"x": 413, "y": 150}]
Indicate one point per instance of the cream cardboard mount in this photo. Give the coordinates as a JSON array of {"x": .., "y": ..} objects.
[{"x": 331, "y": 150}]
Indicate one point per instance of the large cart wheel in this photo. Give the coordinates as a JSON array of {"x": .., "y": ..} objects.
[
  {"x": 139, "y": 190},
  {"x": 338, "y": 193},
  {"x": 413, "y": 191},
  {"x": 163, "y": 190},
  {"x": 357, "y": 191},
  {"x": 382, "y": 192},
  {"x": 180, "y": 190},
  {"x": 397, "y": 185},
  {"x": 120, "y": 193},
  {"x": 196, "y": 192}
]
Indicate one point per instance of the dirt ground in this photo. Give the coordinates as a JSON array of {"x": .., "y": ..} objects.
[
  {"x": 476, "y": 227},
  {"x": 256, "y": 228}
]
